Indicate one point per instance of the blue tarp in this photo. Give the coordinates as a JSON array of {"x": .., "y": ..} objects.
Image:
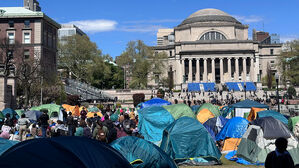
[
  {"x": 234, "y": 128},
  {"x": 63, "y": 151},
  {"x": 6, "y": 144},
  {"x": 274, "y": 114},
  {"x": 152, "y": 121},
  {"x": 214, "y": 125},
  {"x": 231, "y": 156},
  {"x": 195, "y": 87},
  {"x": 248, "y": 104},
  {"x": 234, "y": 86},
  {"x": 155, "y": 102},
  {"x": 133, "y": 148}
]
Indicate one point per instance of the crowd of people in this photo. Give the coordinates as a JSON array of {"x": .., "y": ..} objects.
[{"x": 101, "y": 128}]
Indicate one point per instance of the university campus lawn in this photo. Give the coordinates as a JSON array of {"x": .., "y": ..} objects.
[{"x": 225, "y": 164}]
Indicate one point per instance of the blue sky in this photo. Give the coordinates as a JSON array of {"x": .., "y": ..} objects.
[{"x": 113, "y": 23}]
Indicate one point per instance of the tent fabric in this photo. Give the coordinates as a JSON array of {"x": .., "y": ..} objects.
[
  {"x": 152, "y": 121},
  {"x": 253, "y": 113},
  {"x": 179, "y": 110},
  {"x": 195, "y": 108},
  {"x": 9, "y": 111},
  {"x": 248, "y": 104},
  {"x": 155, "y": 102},
  {"x": 204, "y": 115},
  {"x": 212, "y": 108},
  {"x": 76, "y": 152},
  {"x": 50, "y": 107},
  {"x": 231, "y": 144},
  {"x": 133, "y": 148},
  {"x": 214, "y": 125},
  {"x": 292, "y": 122},
  {"x": 274, "y": 114},
  {"x": 33, "y": 115},
  {"x": 93, "y": 109},
  {"x": 6, "y": 144},
  {"x": 254, "y": 147},
  {"x": 73, "y": 109},
  {"x": 272, "y": 128},
  {"x": 91, "y": 114},
  {"x": 114, "y": 117},
  {"x": 20, "y": 112},
  {"x": 193, "y": 87},
  {"x": 234, "y": 128},
  {"x": 187, "y": 138},
  {"x": 1, "y": 115}
]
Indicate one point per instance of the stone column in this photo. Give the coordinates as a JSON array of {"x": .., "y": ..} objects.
[
  {"x": 190, "y": 71},
  {"x": 213, "y": 70},
  {"x": 229, "y": 66},
  {"x": 252, "y": 69},
  {"x": 197, "y": 71},
  {"x": 236, "y": 69},
  {"x": 205, "y": 73},
  {"x": 221, "y": 70},
  {"x": 183, "y": 70},
  {"x": 244, "y": 69}
]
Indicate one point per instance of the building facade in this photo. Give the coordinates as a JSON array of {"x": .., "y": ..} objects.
[
  {"x": 68, "y": 30},
  {"x": 212, "y": 46}
]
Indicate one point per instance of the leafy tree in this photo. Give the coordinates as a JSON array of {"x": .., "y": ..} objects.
[{"x": 291, "y": 92}]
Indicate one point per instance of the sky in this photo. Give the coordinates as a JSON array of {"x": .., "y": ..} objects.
[{"x": 113, "y": 23}]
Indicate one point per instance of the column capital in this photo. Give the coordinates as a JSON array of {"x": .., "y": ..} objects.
[
  {"x": 205, "y": 58},
  {"x": 221, "y": 58},
  {"x": 212, "y": 58},
  {"x": 229, "y": 58}
]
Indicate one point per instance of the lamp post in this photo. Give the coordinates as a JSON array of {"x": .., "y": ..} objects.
[
  {"x": 277, "y": 92},
  {"x": 245, "y": 89}
]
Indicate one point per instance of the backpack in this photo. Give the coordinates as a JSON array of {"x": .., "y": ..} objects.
[{"x": 101, "y": 136}]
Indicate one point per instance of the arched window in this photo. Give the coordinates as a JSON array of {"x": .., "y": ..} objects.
[{"x": 212, "y": 35}]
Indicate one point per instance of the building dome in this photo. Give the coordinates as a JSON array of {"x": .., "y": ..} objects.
[{"x": 209, "y": 15}]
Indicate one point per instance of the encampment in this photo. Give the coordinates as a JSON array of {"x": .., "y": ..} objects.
[
  {"x": 187, "y": 141},
  {"x": 133, "y": 148},
  {"x": 54, "y": 110},
  {"x": 245, "y": 106},
  {"x": 207, "y": 111}
]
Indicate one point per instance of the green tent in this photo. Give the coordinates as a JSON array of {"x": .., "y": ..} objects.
[
  {"x": 1, "y": 115},
  {"x": 179, "y": 110},
  {"x": 93, "y": 109},
  {"x": 292, "y": 122},
  {"x": 50, "y": 107},
  {"x": 187, "y": 139},
  {"x": 20, "y": 112},
  {"x": 212, "y": 108}
]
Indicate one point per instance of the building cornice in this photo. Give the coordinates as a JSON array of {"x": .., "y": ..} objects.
[
  {"x": 223, "y": 24},
  {"x": 215, "y": 42},
  {"x": 217, "y": 52}
]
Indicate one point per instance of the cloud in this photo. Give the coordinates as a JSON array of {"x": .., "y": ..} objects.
[
  {"x": 248, "y": 19},
  {"x": 95, "y": 26},
  {"x": 285, "y": 38},
  {"x": 153, "y": 21}
]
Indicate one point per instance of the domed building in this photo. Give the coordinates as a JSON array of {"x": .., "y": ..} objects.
[{"x": 211, "y": 46}]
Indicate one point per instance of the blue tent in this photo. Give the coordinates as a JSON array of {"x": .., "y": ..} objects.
[
  {"x": 234, "y": 128},
  {"x": 155, "y": 102},
  {"x": 133, "y": 148},
  {"x": 76, "y": 152},
  {"x": 9, "y": 111},
  {"x": 195, "y": 108},
  {"x": 6, "y": 144},
  {"x": 214, "y": 125},
  {"x": 33, "y": 115},
  {"x": 152, "y": 121},
  {"x": 187, "y": 138},
  {"x": 248, "y": 104},
  {"x": 274, "y": 114}
]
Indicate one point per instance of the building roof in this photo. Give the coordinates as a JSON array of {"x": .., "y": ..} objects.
[
  {"x": 21, "y": 12},
  {"x": 209, "y": 15}
]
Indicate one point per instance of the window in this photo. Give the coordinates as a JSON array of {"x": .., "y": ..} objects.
[
  {"x": 27, "y": 23},
  {"x": 10, "y": 54},
  {"x": 11, "y": 38},
  {"x": 11, "y": 24},
  {"x": 170, "y": 53},
  {"x": 271, "y": 52},
  {"x": 212, "y": 35},
  {"x": 26, "y": 54},
  {"x": 272, "y": 62},
  {"x": 27, "y": 38},
  {"x": 156, "y": 79}
]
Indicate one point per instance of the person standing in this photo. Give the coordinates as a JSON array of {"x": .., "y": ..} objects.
[
  {"x": 296, "y": 130},
  {"x": 83, "y": 114},
  {"x": 23, "y": 123},
  {"x": 70, "y": 124},
  {"x": 43, "y": 120}
]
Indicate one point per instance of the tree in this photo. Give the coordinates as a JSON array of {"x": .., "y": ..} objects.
[
  {"x": 289, "y": 61},
  {"x": 269, "y": 76}
]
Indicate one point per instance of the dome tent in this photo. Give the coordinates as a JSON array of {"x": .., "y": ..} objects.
[
  {"x": 187, "y": 138},
  {"x": 52, "y": 109},
  {"x": 179, "y": 110},
  {"x": 76, "y": 152},
  {"x": 6, "y": 144},
  {"x": 259, "y": 140},
  {"x": 214, "y": 125},
  {"x": 9, "y": 111},
  {"x": 245, "y": 106},
  {"x": 274, "y": 114},
  {"x": 33, "y": 115},
  {"x": 133, "y": 148},
  {"x": 155, "y": 102},
  {"x": 207, "y": 111}
]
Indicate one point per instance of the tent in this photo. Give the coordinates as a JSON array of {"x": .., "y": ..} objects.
[
  {"x": 214, "y": 125},
  {"x": 9, "y": 111},
  {"x": 179, "y": 110},
  {"x": 260, "y": 138},
  {"x": 1, "y": 115},
  {"x": 292, "y": 122},
  {"x": 133, "y": 148},
  {"x": 155, "y": 102},
  {"x": 207, "y": 111},
  {"x": 6, "y": 144},
  {"x": 274, "y": 114},
  {"x": 73, "y": 109},
  {"x": 20, "y": 112},
  {"x": 195, "y": 108},
  {"x": 33, "y": 114},
  {"x": 245, "y": 106},
  {"x": 93, "y": 109},
  {"x": 232, "y": 133},
  {"x": 77, "y": 152},
  {"x": 186, "y": 138},
  {"x": 114, "y": 117},
  {"x": 152, "y": 121},
  {"x": 53, "y": 110},
  {"x": 253, "y": 113},
  {"x": 91, "y": 114}
]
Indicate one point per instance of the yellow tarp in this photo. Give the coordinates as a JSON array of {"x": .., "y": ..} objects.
[
  {"x": 91, "y": 114},
  {"x": 74, "y": 109},
  {"x": 204, "y": 115},
  {"x": 231, "y": 144},
  {"x": 253, "y": 113}
]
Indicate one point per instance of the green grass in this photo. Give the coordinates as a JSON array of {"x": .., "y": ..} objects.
[{"x": 225, "y": 164}]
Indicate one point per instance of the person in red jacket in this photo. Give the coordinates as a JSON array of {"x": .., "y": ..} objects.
[{"x": 83, "y": 114}]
